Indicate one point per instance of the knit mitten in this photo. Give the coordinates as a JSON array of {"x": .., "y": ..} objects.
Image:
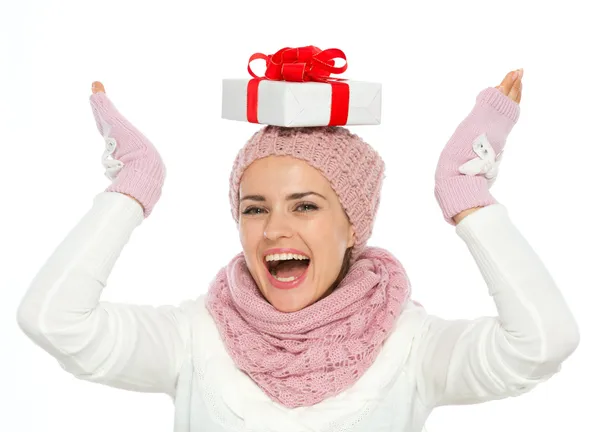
[
  {"x": 136, "y": 169},
  {"x": 468, "y": 165}
]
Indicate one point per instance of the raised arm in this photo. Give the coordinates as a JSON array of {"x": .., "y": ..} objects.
[
  {"x": 133, "y": 347},
  {"x": 472, "y": 361},
  {"x": 128, "y": 346}
]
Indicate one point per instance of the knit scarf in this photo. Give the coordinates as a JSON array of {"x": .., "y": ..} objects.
[{"x": 301, "y": 358}]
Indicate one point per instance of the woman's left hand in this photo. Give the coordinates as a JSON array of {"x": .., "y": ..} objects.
[
  {"x": 511, "y": 86},
  {"x": 468, "y": 164}
]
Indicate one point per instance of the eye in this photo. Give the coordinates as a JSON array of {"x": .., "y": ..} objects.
[
  {"x": 253, "y": 211},
  {"x": 306, "y": 207}
]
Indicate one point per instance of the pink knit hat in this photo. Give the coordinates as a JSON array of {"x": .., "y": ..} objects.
[{"x": 354, "y": 169}]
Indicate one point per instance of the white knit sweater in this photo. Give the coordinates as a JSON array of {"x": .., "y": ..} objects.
[{"x": 426, "y": 361}]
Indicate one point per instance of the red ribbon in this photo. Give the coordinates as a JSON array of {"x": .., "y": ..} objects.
[{"x": 301, "y": 65}]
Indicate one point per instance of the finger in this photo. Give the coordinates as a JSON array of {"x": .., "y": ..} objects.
[
  {"x": 517, "y": 78},
  {"x": 97, "y": 86},
  {"x": 507, "y": 82},
  {"x": 519, "y": 95},
  {"x": 515, "y": 90}
]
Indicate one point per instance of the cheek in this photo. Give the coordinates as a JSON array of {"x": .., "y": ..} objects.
[
  {"x": 327, "y": 240},
  {"x": 250, "y": 233}
]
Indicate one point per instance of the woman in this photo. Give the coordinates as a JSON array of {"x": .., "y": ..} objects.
[{"x": 307, "y": 329}]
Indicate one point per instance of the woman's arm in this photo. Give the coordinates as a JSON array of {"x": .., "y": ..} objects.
[
  {"x": 132, "y": 347},
  {"x": 472, "y": 361}
]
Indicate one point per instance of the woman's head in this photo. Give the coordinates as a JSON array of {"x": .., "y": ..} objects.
[{"x": 305, "y": 201}]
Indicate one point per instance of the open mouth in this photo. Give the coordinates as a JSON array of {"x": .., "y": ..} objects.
[{"x": 286, "y": 270}]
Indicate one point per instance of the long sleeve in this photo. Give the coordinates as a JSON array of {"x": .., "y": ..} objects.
[
  {"x": 472, "y": 361},
  {"x": 133, "y": 347}
]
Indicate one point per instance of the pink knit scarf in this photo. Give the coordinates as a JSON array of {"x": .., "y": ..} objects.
[{"x": 303, "y": 357}]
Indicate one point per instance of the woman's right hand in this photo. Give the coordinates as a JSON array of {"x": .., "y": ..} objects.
[{"x": 131, "y": 161}]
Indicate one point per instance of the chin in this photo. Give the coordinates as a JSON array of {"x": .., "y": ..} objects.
[
  {"x": 287, "y": 308},
  {"x": 289, "y": 300}
]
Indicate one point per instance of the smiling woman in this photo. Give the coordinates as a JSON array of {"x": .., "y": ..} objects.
[{"x": 306, "y": 329}]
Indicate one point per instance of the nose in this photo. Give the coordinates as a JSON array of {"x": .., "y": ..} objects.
[{"x": 277, "y": 226}]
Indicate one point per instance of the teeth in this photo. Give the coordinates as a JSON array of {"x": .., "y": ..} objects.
[
  {"x": 285, "y": 257},
  {"x": 289, "y": 279}
]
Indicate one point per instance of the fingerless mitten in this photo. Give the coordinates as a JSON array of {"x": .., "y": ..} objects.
[
  {"x": 131, "y": 161},
  {"x": 468, "y": 164}
]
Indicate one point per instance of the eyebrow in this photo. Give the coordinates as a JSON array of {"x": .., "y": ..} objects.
[{"x": 294, "y": 196}]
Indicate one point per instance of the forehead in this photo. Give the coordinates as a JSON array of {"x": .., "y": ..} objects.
[{"x": 283, "y": 174}]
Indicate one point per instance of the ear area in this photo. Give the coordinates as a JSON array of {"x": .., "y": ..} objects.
[{"x": 351, "y": 236}]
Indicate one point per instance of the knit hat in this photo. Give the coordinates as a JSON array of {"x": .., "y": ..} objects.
[{"x": 354, "y": 169}]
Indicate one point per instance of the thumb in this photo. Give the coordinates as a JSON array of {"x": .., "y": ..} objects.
[{"x": 97, "y": 86}]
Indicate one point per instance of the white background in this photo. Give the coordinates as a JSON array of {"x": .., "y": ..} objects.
[{"x": 162, "y": 67}]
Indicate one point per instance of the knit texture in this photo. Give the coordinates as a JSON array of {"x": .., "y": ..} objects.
[
  {"x": 141, "y": 173},
  {"x": 303, "y": 357},
  {"x": 493, "y": 116},
  {"x": 353, "y": 168}
]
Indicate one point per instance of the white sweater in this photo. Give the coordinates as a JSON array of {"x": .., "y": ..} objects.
[{"x": 426, "y": 361}]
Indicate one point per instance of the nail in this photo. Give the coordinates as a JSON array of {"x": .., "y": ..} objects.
[{"x": 515, "y": 74}]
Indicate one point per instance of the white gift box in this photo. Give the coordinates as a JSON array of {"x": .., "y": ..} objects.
[{"x": 284, "y": 103}]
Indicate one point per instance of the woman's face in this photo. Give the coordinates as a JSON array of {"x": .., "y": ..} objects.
[{"x": 293, "y": 230}]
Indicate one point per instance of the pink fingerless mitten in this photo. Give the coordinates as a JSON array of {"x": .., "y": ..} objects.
[
  {"x": 468, "y": 164},
  {"x": 136, "y": 168}
]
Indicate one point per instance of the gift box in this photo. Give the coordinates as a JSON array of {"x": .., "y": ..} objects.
[{"x": 297, "y": 90}]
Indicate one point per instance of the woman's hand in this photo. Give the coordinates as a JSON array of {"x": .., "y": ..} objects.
[
  {"x": 132, "y": 163},
  {"x": 98, "y": 87},
  {"x": 512, "y": 87},
  {"x": 468, "y": 164}
]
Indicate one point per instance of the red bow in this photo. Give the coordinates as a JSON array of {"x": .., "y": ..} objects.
[{"x": 307, "y": 63}]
